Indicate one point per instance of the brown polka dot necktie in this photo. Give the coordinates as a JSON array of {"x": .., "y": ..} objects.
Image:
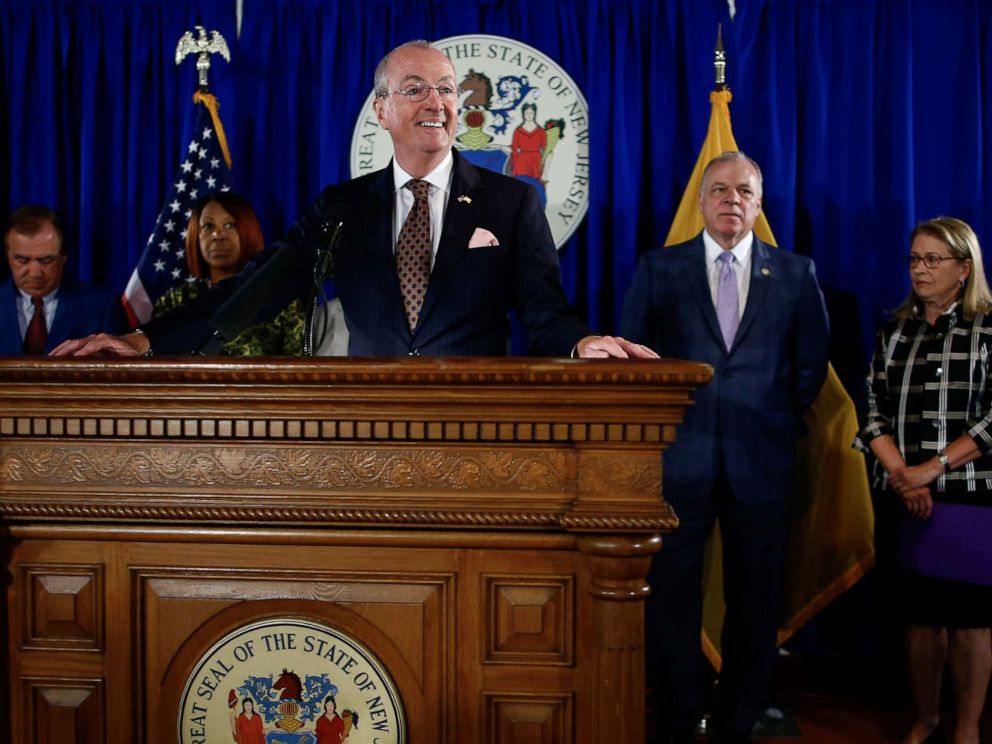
[
  {"x": 37, "y": 332},
  {"x": 413, "y": 252}
]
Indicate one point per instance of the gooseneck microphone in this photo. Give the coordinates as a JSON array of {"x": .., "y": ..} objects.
[
  {"x": 323, "y": 269},
  {"x": 267, "y": 283}
]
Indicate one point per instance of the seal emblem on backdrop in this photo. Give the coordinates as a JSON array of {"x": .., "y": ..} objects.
[
  {"x": 519, "y": 114},
  {"x": 289, "y": 681}
]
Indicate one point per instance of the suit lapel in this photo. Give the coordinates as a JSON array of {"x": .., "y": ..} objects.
[
  {"x": 373, "y": 210},
  {"x": 10, "y": 332},
  {"x": 698, "y": 280},
  {"x": 67, "y": 312},
  {"x": 761, "y": 277},
  {"x": 461, "y": 217}
]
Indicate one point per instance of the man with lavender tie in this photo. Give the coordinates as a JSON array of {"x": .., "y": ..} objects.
[{"x": 757, "y": 315}]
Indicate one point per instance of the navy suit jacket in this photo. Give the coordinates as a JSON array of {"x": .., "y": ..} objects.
[
  {"x": 470, "y": 292},
  {"x": 750, "y": 414},
  {"x": 82, "y": 309}
]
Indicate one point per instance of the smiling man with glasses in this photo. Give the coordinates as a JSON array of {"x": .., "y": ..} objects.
[{"x": 435, "y": 252}]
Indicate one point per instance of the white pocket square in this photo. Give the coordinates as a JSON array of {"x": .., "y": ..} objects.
[{"x": 482, "y": 238}]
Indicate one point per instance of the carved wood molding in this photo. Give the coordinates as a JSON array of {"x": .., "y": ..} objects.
[
  {"x": 300, "y": 469},
  {"x": 566, "y": 445},
  {"x": 664, "y": 522},
  {"x": 13, "y": 509},
  {"x": 189, "y": 425},
  {"x": 418, "y": 371},
  {"x": 481, "y": 486},
  {"x": 619, "y": 565},
  {"x": 605, "y": 473}
]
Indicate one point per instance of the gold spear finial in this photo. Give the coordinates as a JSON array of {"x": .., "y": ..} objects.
[{"x": 720, "y": 60}]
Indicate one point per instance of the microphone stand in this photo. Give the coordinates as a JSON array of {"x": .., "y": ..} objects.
[
  {"x": 241, "y": 308},
  {"x": 323, "y": 269}
]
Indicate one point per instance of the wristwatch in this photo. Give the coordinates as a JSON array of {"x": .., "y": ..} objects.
[{"x": 944, "y": 460}]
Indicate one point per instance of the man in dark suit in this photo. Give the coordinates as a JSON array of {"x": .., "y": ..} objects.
[
  {"x": 39, "y": 307},
  {"x": 435, "y": 252},
  {"x": 757, "y": 315}
]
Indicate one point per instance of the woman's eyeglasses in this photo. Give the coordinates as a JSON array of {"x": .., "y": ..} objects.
[{"x": 931, "y": 260}]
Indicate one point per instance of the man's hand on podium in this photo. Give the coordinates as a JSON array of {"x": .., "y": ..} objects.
[
  {"x": 601, "y": 347},
  {"x": 103, "y": 344}
]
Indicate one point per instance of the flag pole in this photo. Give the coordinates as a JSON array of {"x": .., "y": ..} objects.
[
  {"x": 831, "y": 543},
  {"x": 719, "y": 61},
  {"x": 205, "y": 168}
]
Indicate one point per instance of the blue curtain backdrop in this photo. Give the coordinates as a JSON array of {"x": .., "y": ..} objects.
[{"x": 865, "y": 115}]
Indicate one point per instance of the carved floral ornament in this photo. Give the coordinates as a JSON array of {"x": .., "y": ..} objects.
[
  {"x": 291, "y": 468},
  {"x": 325, "y": 485}
]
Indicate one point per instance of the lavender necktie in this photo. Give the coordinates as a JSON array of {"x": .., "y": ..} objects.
[{"x": 727, "y": 306}]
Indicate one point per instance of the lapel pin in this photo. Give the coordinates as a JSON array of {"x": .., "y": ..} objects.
[
  {"x": 765, "y": 271},
  {"x": 465, "y": 199}
]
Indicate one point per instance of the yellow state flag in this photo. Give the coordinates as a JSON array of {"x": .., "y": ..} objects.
[{"x": 831, "y": 539}]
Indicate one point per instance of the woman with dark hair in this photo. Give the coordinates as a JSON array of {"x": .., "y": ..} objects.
[
  {"x": 330, "y": 728},
  {"x": 222, "y": 236},
  {"x": 929, "y": 424},
  {"x": 527, "y": 148},
  {"x": 248, "y": 725}
]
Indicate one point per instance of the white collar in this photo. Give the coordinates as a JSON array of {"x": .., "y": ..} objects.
[
  {"x": 47, "y": 299},
  {"x": 440, "y": 177},
  {"x": 741, "y": 251}
]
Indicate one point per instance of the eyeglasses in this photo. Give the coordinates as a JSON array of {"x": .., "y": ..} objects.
[
  {"x": 417, "y": 93},
  {"x": 931, "y": 260}
]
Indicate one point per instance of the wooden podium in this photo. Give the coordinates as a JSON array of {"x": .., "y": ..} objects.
[{"x": 483, "y": 527}]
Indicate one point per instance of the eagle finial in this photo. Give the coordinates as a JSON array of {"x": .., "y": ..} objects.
[{"x": 202, "y": 46}]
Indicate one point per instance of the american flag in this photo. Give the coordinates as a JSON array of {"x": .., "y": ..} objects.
[{"x": 203, "y": 170}]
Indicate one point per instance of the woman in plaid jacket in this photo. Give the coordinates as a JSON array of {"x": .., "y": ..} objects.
[{"x": 929, "y": 424}]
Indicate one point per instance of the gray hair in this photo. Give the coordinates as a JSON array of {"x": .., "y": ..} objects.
[
  {"x": 380, "y": 85},
  {"x": 728, "y": 157},
  {"x": 962, "y": 243}
]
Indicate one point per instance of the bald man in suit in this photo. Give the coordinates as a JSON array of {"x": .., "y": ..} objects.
[
  {"x": 483, "y": 246},
  {"x": 757, "y": 316}
]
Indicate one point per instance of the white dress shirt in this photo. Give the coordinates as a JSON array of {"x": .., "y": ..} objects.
[
  {"x": 25, "y": 310},
  {"x": 437, "y": 195},
  {"x": 741, "y": 266}
]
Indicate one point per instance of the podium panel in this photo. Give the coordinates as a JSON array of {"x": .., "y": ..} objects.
[{"x": 422, "y": 550}]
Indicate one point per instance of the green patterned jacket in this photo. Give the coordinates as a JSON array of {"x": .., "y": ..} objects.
[{"x": 281, "y": 336}]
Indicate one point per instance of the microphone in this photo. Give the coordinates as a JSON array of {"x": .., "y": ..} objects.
[
  {"x": 269, "y": 280},
  {"x": 242, "y": 307},
  {"x": 330, "y": 236},
  {"x": 323, "y": 269}
]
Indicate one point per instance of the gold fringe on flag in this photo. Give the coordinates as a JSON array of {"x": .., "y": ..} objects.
[{"x": 213, "y": 106}]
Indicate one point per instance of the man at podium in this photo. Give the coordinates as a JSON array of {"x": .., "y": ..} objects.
[{"x": 434, "y": 252}]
